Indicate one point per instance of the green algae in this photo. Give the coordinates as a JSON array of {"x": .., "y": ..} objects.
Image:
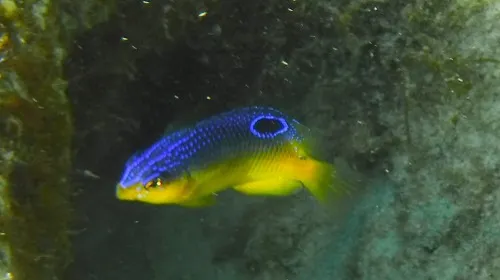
[
  {"x": 35, "y": 142},
  {"x": 36, "y": 224}
]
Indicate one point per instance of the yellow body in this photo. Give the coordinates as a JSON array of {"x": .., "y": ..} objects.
[{"x": 279, "y": 174}]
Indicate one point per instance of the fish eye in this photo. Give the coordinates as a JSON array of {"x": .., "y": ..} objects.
[{"x": 157, "y": 182}]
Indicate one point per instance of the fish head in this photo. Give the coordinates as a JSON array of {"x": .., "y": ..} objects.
[
  {"x": 156, "y": 191},
  {"x": 152, "y": 178}
]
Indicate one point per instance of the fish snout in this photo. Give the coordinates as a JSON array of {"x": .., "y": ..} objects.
[{"x": 128, "y": 192}]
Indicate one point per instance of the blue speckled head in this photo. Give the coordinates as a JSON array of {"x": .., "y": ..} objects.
[{"x": 234, "y": 133}]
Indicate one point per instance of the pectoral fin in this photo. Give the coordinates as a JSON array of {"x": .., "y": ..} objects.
[
  {"x": 203, "y": 201},
  {"x": 271, "y": 187}
]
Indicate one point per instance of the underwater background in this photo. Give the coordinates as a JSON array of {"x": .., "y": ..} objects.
[{"x": 406, "y": 92}]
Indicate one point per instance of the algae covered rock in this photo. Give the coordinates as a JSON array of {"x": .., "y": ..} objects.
[
  {"x": 404, "y": 90},
  {"x": 35, "y": 139}
]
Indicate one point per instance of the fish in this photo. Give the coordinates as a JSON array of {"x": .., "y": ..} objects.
[{"x": 256, "y": 151}]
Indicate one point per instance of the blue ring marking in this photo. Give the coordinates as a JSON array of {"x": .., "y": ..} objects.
[{"x": 268, "y": 134}]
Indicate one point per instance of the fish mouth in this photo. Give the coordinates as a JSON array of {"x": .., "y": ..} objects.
[{"x": 128, "y": 192}]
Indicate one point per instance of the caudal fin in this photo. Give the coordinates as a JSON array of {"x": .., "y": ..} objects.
[{"x": 323, "y": 180}]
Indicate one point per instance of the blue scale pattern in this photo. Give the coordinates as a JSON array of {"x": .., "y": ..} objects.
[{"x": 233, "y": 133}]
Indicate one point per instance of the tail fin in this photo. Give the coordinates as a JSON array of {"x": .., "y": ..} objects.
[{"x": 325, "y": 182}]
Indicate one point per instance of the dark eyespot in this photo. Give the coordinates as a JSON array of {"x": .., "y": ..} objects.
[{"x": 268, "y": 126}]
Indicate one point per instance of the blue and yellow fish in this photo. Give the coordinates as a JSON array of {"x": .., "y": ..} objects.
[{"x": 253, "y": 150}]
